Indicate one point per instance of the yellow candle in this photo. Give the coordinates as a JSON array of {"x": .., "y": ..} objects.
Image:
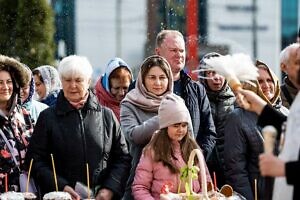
[
  {"x": 255, "y": 188},
  {"x": 54, "y": 173},
  {"x": 28, "y": 177},
  {"x": 88, "y": 179}
]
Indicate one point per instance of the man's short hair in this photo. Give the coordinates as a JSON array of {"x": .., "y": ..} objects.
[
  {"x": 285, "y": 53},
  {"x": 162, "y": 35}
]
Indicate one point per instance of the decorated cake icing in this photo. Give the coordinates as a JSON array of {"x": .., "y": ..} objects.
[
  {"x": 57, "y": 196},
  {"x": 12, "y": 196}
]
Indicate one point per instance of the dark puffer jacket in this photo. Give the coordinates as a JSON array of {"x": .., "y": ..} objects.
[
  {"x": 75, "y": 137},
  {"x": 244, "y": 142},
  {"x": 221, "y": 103},
  {"x": 288, "y": 92},
  {"x": 196, "y": 101}
]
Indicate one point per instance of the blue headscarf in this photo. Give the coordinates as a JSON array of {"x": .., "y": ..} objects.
[{"x": 111, "y": 66}]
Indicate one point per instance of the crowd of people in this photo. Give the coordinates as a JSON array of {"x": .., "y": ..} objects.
[{"x": 134, "y": 136}]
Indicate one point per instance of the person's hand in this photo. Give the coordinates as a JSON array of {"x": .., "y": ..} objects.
[
  {"x": 104, "y": 194},
  {"x": 72, "y": 192},
  {"x": 270, "y": 165},
  {"x": 250, "y": 101}
]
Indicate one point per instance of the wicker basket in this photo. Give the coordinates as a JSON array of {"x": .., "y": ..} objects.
[{"x": 204, "y": 195}]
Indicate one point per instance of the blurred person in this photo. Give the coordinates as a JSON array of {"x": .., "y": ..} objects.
[
  {"x": 286, "y": 167},
  {"x": 15, "y": 122},
  {"x": 243, "y": 139},
  {"x": 289, "y": 64},
  {"x": 222, "y": 102},
  {"x": 47, "y": 84},
  {"x": 112, "y": 86},
  {"x": 167, "y": 153},
  {"x": 26, "y": 93},
  {"x": 139, "y": 108},
  {"x": 170, "y": 45},
  {"x": 298, "y": 37},
  {"x": 270, "y": 165},
  {"x": 77, "y": 131}
]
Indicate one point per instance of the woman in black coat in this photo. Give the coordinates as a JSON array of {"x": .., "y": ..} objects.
[
  {"x": 78, "y": 130},
  {"x": 268, "y": 163}
]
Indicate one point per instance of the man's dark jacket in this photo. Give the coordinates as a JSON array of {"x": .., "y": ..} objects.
[{"x": 197, "y": 102}]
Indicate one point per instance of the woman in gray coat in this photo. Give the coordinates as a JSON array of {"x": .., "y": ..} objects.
[{"x": 139, "y": 108}]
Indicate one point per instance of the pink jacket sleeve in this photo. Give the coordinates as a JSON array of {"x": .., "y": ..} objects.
[{"x": 141, "y": 187}]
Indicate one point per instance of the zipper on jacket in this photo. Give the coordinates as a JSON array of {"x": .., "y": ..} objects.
[{"x": 83, "y": 137}]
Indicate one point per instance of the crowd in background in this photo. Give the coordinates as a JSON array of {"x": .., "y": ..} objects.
[{"x": 134, "y": 136}]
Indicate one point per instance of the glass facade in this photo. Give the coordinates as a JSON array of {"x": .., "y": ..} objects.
[
  {"x": 289, "y": 21},
  {"x": 65, "y": 27}
]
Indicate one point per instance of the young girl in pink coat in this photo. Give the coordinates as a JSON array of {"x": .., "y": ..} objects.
[{"x": 167, "y": 152}]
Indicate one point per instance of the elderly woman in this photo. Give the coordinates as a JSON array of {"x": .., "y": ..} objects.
[
  {"x": 27, "y": 92},
  {"x": 15, "y": 122},
  {"x": 79, "y": 131},
  {"x": 112, "y": 86},
  {"x": 139, "y": 109},
  {"x": 47, "y": 84}
]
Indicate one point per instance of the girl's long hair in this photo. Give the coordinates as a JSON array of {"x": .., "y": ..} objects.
[{"x": 161, "y": 148}]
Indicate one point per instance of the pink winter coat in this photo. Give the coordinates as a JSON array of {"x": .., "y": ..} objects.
[{"x": 150, "y": 176}]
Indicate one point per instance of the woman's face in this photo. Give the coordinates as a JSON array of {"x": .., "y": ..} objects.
[
  {"x": 40, "y": 87},
  {"x": 75, "y": 88},
  {"x": 266, "y": 83},
  {"x": 6, "y": 86},
  {"x": 119, "y": 88},
  {"x": 177, "y": 131},
  {"x": 25, "y": 92},
  {"x": 156, "y": 81}
]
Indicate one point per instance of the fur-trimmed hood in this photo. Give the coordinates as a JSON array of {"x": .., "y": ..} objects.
[{"x": 16, "y": 70}]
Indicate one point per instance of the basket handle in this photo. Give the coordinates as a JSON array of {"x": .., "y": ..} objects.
[{"x": 202, "y": 171}]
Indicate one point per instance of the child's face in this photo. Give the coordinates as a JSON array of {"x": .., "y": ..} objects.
[{"x": 177, "y": 131}]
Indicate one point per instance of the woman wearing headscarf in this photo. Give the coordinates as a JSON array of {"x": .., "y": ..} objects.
[
  {"x": 139, "y": 109},
  {"x": 112, "y": 86},
  {"x": 243, "y": 138},
  {"x": 15, "y": 122},
  {"x": 47, "y": 84},
  {"x": 78, "y": 131},
  {"x": 27, "y": 92}
]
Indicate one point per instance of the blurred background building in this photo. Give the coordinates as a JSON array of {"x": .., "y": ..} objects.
[{"x": 101, "y": 29}]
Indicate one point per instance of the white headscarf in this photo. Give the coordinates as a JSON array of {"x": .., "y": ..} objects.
[{"x": 50, "y": 78}]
